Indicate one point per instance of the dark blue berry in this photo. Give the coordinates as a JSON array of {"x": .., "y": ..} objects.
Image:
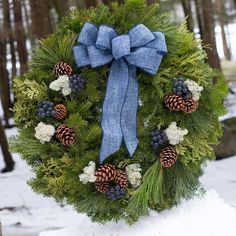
[
  {"x": 77, "y": 83},
  {"x": 157, "y": 138},
  {"x": 115, "y": 192},
  {"x": 180, "y": 88},
  {"x": 45, "y": 109}
]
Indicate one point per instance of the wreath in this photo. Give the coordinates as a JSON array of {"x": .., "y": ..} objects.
[{"x": 118, "y": 112}]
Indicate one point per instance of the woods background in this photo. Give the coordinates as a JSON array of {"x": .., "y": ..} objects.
[{"x": 24, "y": 22}]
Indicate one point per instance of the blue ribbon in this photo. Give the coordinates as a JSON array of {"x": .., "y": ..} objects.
[{"x": 139, "y": 48}]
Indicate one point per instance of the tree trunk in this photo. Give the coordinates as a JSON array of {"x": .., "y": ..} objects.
[
  {"x": 186, "y": 4},
  {"x": 4, "y": 79},
  {"x": 149, "y": 2},
  {"x": 90, "y": 3},
  {"x": 208, "y": 33},
  {"x": 6, "y": 154},
  {"x": 28, "y": 23},
  {"x": 8, "y": 31},
  {"x": 20, "y": 37},
  {"x": 62, "y": 7},
  {"x": 41, "y": 21},
  {"x": 121, "y": 2},
  {"x": 0, "y": 228},
  {"x": 107, "y": 2},
  {"x": 220, "y": 8},
  {"x": 199, "y": 17}
]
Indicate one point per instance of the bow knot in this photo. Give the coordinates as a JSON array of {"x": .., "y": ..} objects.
[{"x": 138, "y": 48}]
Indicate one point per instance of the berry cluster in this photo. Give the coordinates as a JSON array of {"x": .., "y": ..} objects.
[
  {"x": 45, "y": 109},
  {"x": 115, "y": 192},
  {"x": 158, "y": 138},
  {"x": 180, "y": 88},
  {"x": 77, "y": 83}
]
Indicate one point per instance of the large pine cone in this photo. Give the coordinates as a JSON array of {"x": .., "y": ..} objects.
[
  {"x": 121, "y": 179},
  {"x": 65, "y": 134},
  {"x": 168, "y": 156},
  {"x": 190, "y": 106},
  {"x": 62, "y": 68},
  {"x": 174, "y": 102},
  {"x": 102, "y": 187},
  {"x": 60, "y": 111},
  {"x": 105, "y": 173}
]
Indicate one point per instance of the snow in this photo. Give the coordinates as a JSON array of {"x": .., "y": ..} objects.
[{"x": 194, "y": 217}]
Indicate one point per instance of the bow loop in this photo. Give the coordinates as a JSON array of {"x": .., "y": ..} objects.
[
  {"x": 104, "y": 37},
  {"x": 139, "y": 48},
  {"x": 140, "y": 35},
  {"x": 88, "y": 34}
]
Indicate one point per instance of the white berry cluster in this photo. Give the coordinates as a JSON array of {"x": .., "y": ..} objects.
[
  {"x": 194, "y": 88},
  {"x": 175, "y": 134},
  {"x": 44, "y": 132},
  {"x": 134, "y": 175},
  {"x": 61, "y": 84},
  {"x": 88, "y": 174}
]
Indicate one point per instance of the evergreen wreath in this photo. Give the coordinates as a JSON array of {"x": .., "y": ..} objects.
[{"x": 59, "y": 107}]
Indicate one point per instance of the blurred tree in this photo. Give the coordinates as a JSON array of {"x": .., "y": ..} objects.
[
  {"x": 220, "y": 9},
  {"x": 4, "y": 79},
  {"x": 9, "y": 163},
  {"x": 90, "y": 3},
  {"x": 151, "y": 1},
  {"x": 208, "y": 33},
  {"x": 9, "y": 34},
  {"x": 186, "y": 4},
  {"x": 62, "y": 7},
  {"x": 40, "y": 16},
  {"x": 20, "y": 37},
  {"x": 199, "y": 16}
]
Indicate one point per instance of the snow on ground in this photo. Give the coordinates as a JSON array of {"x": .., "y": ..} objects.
[{"x": 195, "y": 217}]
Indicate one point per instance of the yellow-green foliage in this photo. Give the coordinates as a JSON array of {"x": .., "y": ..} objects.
[{"x": 58, "y": 167}]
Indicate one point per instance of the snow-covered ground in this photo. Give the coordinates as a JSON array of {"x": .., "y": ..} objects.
[
  {"x": 199, "y": 216},
  {"x": 24, "y": 213}
]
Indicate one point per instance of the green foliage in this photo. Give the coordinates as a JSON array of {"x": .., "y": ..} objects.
[
  {"x": 57, "y": 167},
  {"x": 149, "y": 194},
  {"x": 28, "y": 92}
]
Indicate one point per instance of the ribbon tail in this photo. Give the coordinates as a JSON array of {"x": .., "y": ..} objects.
[
  {"x": 129, "y": 112},
  {"x": 112, "y": 107}
]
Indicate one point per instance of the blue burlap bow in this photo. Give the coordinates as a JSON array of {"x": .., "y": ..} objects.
[{"x": 139, "y": 48}]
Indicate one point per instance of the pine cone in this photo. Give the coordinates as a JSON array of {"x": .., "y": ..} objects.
[
  {"x": 60, "y": 111},
  {"x": 65, "y": 134},
  {"x": 121, "y": 179},
  {"x": 105, "y": 173},
  {"x": 190, "y": 106},
  {"x": 102, "y": 187},
  {"x": 174, "y": 102},
  {"x": 168, "y": 156},
  {"x": 62, "y": 68}
]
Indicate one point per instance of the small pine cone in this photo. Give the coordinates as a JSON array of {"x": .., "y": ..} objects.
[
  {"x": 174, "y": 102},
  {"x": 121, "y": 179},
  {"x": 102, "y": 187},
  {"x": 190, "y": 106},
  {"x": 168, "y": 156},
  {"x": 105, "y": 173},
  {"x": 65, "y": 134},
  {"x": 60, "y": 111},
  {"x": 62, "y": 68}
]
